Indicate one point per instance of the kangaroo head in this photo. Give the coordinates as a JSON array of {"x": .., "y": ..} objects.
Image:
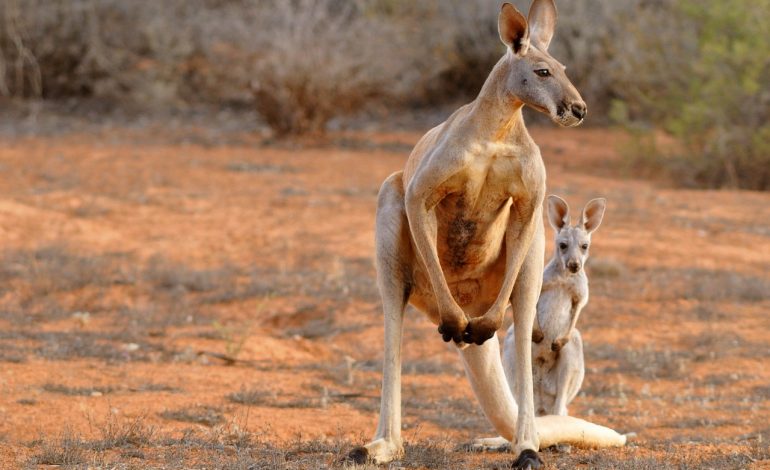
[
  {"x": 572, "y": 242},
  {"x": 534, "y": 77}
]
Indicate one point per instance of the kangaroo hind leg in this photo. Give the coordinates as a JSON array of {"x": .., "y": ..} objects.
[{"x": 394, "y": 260}]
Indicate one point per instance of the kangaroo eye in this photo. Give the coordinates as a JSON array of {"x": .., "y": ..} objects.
[
  {"x": 585, "y": 246},
  {"x": 562, "y": 246},
  {"x": 543, "y": 72}
]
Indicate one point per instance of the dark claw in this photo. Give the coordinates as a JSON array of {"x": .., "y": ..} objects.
[
  {"x": 556, "y": 346},
  {"x": 537, "y": 336},
  {"x": 358, "y": 456},
  {"x": 471, "y": 337},
  {"x": 447, "y": 336},
  {"x": 528, "y": 459},
  {"x": 468, "y": 338}
]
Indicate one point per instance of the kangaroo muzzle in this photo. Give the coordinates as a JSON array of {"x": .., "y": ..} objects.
[
  {"x": 573, "y": 266},
  {"x": 579, "y": 110}
]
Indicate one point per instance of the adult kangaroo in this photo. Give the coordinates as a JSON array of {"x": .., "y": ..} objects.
[{"x": 459, "y": 235}]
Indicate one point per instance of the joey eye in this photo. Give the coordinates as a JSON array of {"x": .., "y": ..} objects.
[
  {"x": 562, "y": 246},
  {"x": 543, "y": 72},
  {"x": 584, "y": 246}
]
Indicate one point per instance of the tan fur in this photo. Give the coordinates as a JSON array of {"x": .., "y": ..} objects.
[{"x": 460, "y": 233}]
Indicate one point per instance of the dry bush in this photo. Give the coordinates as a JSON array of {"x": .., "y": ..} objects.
[
  {"x": 107, "y": 48},
  {"x": 66, "y": 450},
  {"x": 77, "y": 391},
  {"x": 455, "y": 45},
  {"x": 461, "y": 40},
  {"x": 713, "y": 96},
  {"x": 126, "y": 432},
  {"x": 301, "y": 62},
  {"x": 318, "y": 59},
  {"x": 202, "y": 414}
]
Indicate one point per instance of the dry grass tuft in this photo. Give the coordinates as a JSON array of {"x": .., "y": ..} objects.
[
  {"x": 200, "y": 414},
  {"x": 66, "y": 450}
]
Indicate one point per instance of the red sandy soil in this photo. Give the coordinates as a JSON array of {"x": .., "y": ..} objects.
[{"x": 264, "y": 254}]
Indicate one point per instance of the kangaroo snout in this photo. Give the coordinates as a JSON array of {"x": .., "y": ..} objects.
[
  {"x": 579, "y": 110},
  {"x": 571, "y": 114},
  {"x": 573, "y": 266}
]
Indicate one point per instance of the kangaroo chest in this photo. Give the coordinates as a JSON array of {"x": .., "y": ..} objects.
[
  {"x": 553, "y": 311},
  {"x": 471, "y": 221}
]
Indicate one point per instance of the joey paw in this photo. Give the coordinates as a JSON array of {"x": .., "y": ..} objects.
[
  {"x": 537, "y": 336},
  {"x": 558, "y": 344}
]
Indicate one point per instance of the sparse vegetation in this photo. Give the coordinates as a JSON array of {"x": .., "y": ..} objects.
[
  {"x": 714, "y": 101},
  {"x": 129, "y": 432},
  {"x": 66, "y": 450},
  {"x": 198, "y": 450},
  {"x": 77, "y": 391},
  {"x": 200, "y": 414}
]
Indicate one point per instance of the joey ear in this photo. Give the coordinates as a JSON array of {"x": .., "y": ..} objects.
[
  {"x": 558, "y": 212},
  {"x": 593, "y": 214},
  {"x": 542, "y": 23},
  {"x": 513, "y": 29}
]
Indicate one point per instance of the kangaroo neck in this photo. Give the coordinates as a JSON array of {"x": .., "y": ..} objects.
[{"x": 497, "y": 112}]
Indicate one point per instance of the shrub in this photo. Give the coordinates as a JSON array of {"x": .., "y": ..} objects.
[
  {"x": 323, "y": 58},
  {"x": 77, "y": 48},
  {"x": 703, "y": 70}
]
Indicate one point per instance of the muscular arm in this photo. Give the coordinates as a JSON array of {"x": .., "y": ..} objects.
[
  {"x": 518, "y": 238},
  {"x": 428, "y": 187}
]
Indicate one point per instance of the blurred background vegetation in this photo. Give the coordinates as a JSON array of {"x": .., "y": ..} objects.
[{"x": 690, "y": 79}]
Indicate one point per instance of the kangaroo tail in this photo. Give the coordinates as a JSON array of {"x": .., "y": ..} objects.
[{"x": 552, "y": 430}]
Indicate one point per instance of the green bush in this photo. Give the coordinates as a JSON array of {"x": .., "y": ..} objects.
[{"x": 706, "y": 81}]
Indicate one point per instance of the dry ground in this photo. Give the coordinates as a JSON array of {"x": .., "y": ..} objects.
[{"x": 173, "y": 302}]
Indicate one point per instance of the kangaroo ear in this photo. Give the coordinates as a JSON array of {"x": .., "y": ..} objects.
[
  {"x": 542, "y": 22},
  {"x": 558, "y": 212},
  {"x": 593, "y": 214},
  {"x": 513, "y": 30}
]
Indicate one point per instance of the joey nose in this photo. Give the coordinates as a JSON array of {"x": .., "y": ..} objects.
[
  {"x": 573, "y": 266},
  {"x": 579, "y": 110}
]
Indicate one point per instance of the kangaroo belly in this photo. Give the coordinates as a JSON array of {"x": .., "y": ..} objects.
[
  {"x": 470, "y": 241},
  {"x": 553, "y": 313},
  {"x": 474, "y": 294}
]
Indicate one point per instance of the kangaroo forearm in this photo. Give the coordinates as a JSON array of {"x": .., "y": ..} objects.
[
  {"x": 426, "y": 250},
  {"x": 574, "y": 315},
  {"x": 522, "y": 239},
  {"x": 573, "y": 323}
]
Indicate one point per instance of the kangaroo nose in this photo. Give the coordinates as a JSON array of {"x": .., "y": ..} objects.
[
  {"x": 579, "y": 110},
  {"x": 573, "y": 266}
]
